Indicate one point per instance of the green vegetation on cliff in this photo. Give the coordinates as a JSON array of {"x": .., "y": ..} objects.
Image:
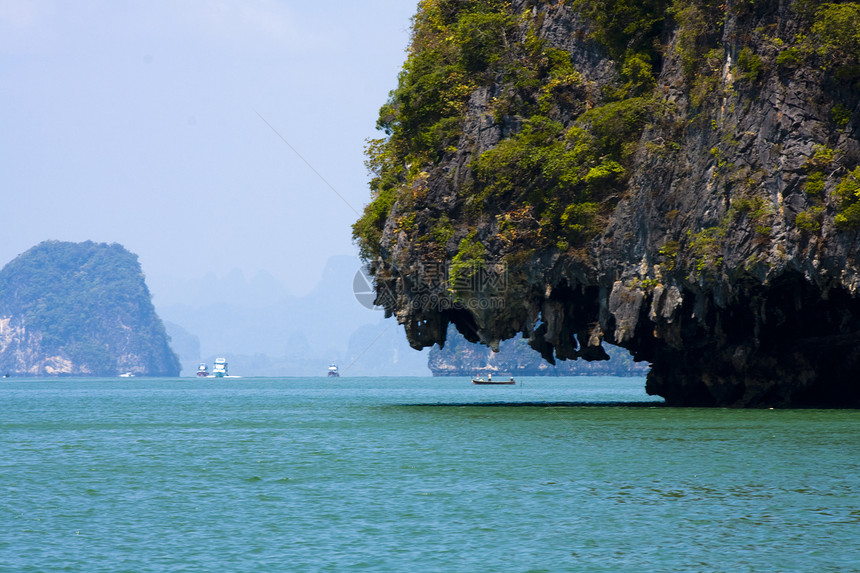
[
  {"x": 564, "y": 157},
  {"x": 661, "y": 175},
  {"x": 85, "y": 309},
  {"x": 566, "y": 173}
]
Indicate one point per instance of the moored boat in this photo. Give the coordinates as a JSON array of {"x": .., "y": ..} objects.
[{"x": 490, "y": 380}]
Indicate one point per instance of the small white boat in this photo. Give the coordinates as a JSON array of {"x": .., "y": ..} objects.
[
  {"x": 220, "y": 369},
  {"x": 127, "y": 375},
  {"x": 333, "y": 371},
  {"x": 202, "y": 370},
  {"x": 490, "y": 380}
]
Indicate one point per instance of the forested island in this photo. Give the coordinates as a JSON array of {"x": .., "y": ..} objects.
[
  {"x": 679, "y": 178},
  {"x": 80, "y": 309}
]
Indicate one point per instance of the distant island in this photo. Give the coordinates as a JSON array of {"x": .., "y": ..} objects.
[
  {"x": 80, "y": 309},
  {"x": 515, "y": 357}
]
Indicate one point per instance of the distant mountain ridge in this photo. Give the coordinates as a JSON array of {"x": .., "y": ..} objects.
[
  {"x": 80, "y": 309},
  {"x": 263, "y": 330}
]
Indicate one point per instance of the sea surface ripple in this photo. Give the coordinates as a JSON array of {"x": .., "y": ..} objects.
[{"x": 417, "y": 474}]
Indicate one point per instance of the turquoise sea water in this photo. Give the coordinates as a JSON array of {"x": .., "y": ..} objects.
[{"x": 418, "y": 474}]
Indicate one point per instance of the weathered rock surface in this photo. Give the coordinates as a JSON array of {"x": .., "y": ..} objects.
[
  {"x": 702, "y": 269},
  {"x": 80, "y": 309}
]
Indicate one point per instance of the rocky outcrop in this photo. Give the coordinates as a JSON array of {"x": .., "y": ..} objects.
[
  {"x": 726, "y": 255},
  {"x": 80, "y": 309}
]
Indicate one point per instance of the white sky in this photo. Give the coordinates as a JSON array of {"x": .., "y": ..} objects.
[{"x": 136, "y": 122}]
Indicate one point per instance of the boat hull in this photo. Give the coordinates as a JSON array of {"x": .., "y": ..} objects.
[{"x": 493, "y": 383}]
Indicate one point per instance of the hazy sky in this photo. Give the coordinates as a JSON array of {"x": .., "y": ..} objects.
[{"x": 137, "y": 122}]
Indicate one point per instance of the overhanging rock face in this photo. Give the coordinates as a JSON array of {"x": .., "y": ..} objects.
[{"x": 701, "y": 212}]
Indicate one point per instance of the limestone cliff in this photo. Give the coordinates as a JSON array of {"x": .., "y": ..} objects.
[
  {"x": 678, "y": 178},
  {"x": 80, "y": 309}
]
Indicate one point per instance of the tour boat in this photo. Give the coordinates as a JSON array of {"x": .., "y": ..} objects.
[
  {"x": 203, "y": 370},
  {"x": 220, "y": 369},
  {"x": 332, "y": 371}
]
